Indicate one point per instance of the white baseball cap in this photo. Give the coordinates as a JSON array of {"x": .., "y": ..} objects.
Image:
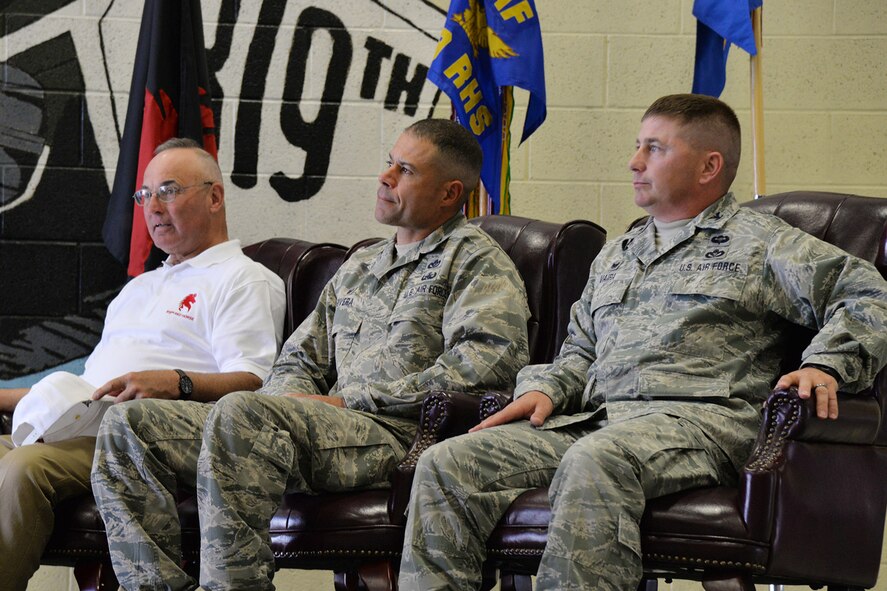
[{"x": 56, "y": 408}]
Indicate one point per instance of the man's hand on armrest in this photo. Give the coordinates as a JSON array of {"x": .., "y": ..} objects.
[
  {"x": 533, "y": 405},
  {"x": 810, "y": 380},
  {"x": 164, "y": 384},
  {"x": 9, "y": 398}
]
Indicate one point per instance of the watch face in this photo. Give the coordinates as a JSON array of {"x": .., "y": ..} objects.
[{"x": 186, "y": 386}]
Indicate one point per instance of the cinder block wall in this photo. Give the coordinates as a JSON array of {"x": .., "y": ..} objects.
[
  {"x": 825, "y": 97},
  {"x": 825, "y": 100}
]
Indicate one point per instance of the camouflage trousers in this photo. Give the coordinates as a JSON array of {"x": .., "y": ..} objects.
[
  {"x": 599, "y": 475},
  {"x": 241, "y": 454}
]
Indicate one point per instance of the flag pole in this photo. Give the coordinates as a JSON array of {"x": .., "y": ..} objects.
[
  {"x": 483, "y": 200},
  {"x": 757, "y": 106}
]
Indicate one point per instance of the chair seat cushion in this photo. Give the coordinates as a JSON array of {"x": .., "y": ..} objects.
[
  {"x": 334, "y": 529},
  {"x": 698, "y": 528},
  {"x": 320, "y": 531},
  {"x": 79, "y": 533},
  {"x": 524, "y": 527},
  {"x": 306, "y": 531}
]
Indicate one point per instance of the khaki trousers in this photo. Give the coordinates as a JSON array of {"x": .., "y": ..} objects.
[{"x": 33, "y": 479}]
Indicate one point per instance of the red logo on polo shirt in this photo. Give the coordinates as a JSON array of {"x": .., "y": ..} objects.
[
  {"x": 185, "y": 306},
  {"x": 186, "y": 302}
]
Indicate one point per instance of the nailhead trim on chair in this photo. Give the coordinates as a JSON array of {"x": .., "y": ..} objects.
[
  {"x": 431, "y": 422},
  {"x": 77, "y": 552},
  {"x": 650, "y": 556},
  {"x": 705, "y": 562},
  {"x": 488, "y": 407},
  {"x": 515, "y": 552},
  {"x": 345, "y": 553},
  {"x": 768, "y": 454}
]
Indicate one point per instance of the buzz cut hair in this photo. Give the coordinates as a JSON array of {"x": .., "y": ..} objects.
[
  {"x": 459, "y": 152},
  {"x": 710, "y": 125}
]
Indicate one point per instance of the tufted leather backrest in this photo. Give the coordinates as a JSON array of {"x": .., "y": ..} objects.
[
  {"x": 853, "y": 223},
  {"x": 554, "y": 261},
  {"x": 305, "y": 268}
]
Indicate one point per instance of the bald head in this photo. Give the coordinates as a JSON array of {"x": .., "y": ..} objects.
[{"x": 205, "y": 161}]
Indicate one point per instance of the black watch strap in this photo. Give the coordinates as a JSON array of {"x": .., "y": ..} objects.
[{"x": 186, "y": 386}]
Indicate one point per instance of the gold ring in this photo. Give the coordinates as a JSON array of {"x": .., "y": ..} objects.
[{"x": 820, "y": 386}]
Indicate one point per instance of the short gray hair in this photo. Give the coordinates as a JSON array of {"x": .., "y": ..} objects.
[{"x": 186, "y": 143}]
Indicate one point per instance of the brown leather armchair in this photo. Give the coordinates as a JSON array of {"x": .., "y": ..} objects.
[
  {"x": 78, "y": 537},
  {"x": 810, "y": 505},
  {"x": 359, "y": 535}
]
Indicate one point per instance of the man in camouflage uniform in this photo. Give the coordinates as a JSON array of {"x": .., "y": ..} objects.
[
  {"x": 439, "y": 305},
  {"x": 671, "y": 350}
]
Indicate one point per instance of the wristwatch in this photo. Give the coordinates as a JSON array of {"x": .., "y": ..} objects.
[{"x": 186, "y": 386}]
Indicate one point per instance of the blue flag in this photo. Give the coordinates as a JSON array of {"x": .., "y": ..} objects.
[
  {"x": 720, "y": 23},
  {"x": 486, "y": 48}
]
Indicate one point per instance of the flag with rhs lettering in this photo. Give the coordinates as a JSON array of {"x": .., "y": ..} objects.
[
  {"x": 487, "y": 47},
  {"x": 169, "y": 97},
  {"x": 720, "y": 23}
]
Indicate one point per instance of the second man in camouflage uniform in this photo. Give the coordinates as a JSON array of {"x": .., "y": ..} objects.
[
  {"x": 671, "y": 350},
  {"x": 439, "y": 306}
]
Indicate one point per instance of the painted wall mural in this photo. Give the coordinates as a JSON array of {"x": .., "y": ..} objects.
[{"x": 307, "y": 96}]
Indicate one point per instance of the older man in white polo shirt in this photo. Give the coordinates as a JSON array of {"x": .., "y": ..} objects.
[{"x": 206, "y": 323}]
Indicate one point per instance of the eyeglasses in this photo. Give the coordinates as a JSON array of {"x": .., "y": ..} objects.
[{"x": 166, "y": 193}]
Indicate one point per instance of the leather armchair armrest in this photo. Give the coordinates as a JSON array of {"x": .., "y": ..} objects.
[
  {"x": 5, "y": 423},
  {"x": 443, "y": 415},
  {"x": 789, "y": 417},
  {"x": 859, "y": 418},
  {"x": 775, "y": 464}
]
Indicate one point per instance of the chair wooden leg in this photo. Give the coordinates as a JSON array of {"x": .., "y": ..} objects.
[
  {"x": 728, "y": 582},
  {"x": 378, "y": 576},
  {"x": 512, "y": 582},
  {"x": 489, "y": 577},
  {"x": 95, "y": 575},
  {"x": 349, "y": 581}
]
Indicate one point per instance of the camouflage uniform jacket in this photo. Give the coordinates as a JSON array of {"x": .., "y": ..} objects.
[
  {"x": 451, "y": 314},
  {"x": 704, "y": 321}
]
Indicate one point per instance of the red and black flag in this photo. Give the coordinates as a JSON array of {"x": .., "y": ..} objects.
[{"x": 169, "y": 97}]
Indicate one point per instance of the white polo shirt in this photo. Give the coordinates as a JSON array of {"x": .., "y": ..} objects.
[{"x": 217, "y": 312}]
